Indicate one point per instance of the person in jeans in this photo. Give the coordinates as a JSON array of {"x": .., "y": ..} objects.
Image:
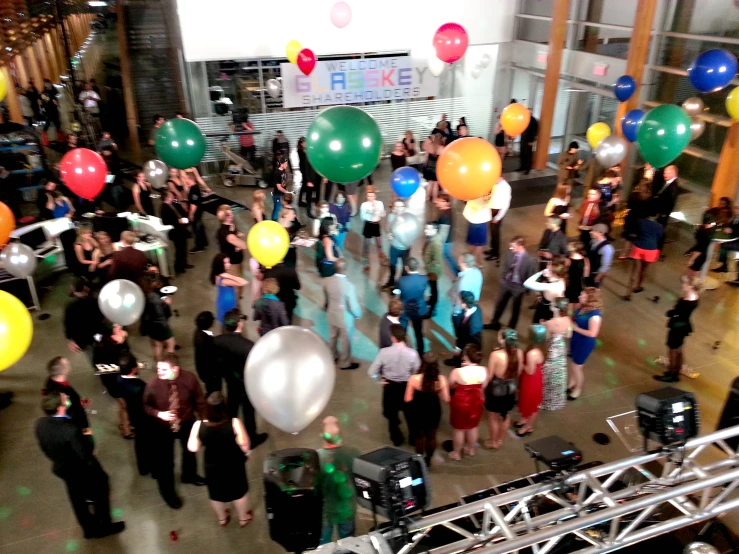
[
  {"x": 339, "y": 504},
  {"x": 398, "y": 250},
  {"x": 518, "y": 266},
  {"x": 413, "y": 288},
  {"x": 279, "y": 182}
]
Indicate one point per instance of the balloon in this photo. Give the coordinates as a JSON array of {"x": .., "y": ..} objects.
[
  {"x": 406, "y": 229},
  {"x": 514, "y": 119},
  {"x": 16, "y": 330},
  {"x": 306, "y": 61},
  {"x": 693, "y": 106},
  {"x": 157, "y": 173},
  {"x": 7, "y": 223},
  {"x": 18, "y": 260},
  {"x": 663, "y": 134},
  {"x": 292, "y": 49},
  {"x": 700, "y": 548},
  {"x": 405, "y": 181},
  {"x": 476, "y": 72},
  {"x": 624, "y": 87},
  {"x": 732, "y": 104},
  {"x": 712, "y": 70},
  {"x": 341, "y": 14},
  {"x": 468, "y": 168},
  {"x": 3, "y": 86},
  {"x": 597, "y": 132},
  {"x": 630, "y": 123},
  {"x": 84, "y": 172},
  {"x": 180, "y": 143},
  {"x": 450, "y": 42},
  {"x": 122, "y": 301},
  {"x": 697, "y": 126},
  {"x": 274, "y": 88},
  {"x": 436, "y": 66},
  {"x": 611, "y": 151},
  {"x": 344, "y": 144},
  {"x": 268, "y": 242},
  {"x": 289, "y": 377},
  {"x": 485, "y": 60}
]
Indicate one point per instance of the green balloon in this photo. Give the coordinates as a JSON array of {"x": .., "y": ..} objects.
[
  {"x": 663, "y": 134},
  {"x": 180, "y": 143},
  {"x": 344, "y": 144}
]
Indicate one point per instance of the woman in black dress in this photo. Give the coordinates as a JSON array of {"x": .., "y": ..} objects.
[
  {"x": 110, "y": 350},
  {"x": 427, "y": 390},
  {"x": 155, "y": 319},
  {"x": 638, "y": 205},
  {"x": 226, "y": 447},
  {"x": 578, "y": 267},
  {"x": 679, "y": 328},
  {"x": 142, "y": 195}
]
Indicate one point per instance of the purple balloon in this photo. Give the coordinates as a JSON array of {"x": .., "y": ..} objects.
[
  {"x": 712, "y": 70},
  {"x": 630, "y": 124},
  {"x": 624, "y": 87}
]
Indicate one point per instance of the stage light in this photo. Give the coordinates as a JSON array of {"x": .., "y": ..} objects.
[
  {"x": 554, "y": 452},
  {"x": 668, "y": 416}
]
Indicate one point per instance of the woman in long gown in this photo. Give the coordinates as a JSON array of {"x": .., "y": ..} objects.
[
  {"x": 531, "y": 383},
  {"x": 559, "y": 329}
]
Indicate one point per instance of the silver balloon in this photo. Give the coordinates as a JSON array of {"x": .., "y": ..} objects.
[
  {"x": 274, "y": 88},
  {"x": 289, "y": 377},
  {"x": 122, "y": 302},
  {"x": 693, "y": 106},
  {"x": 485, "y": 60},
  {"x": 406, "y": 228},
  {"x": 476, "y": 72},
  {"x": 18, "y": 260},
  {"x": 611, "y": 150},
  {"x": 157, "y": 173},
  {"x": 697, "y": 126},
  {"x": 700, "y": 548}
]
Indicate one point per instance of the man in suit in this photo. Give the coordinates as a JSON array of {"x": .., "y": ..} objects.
[
  {"x": 467, "y": 327},
  {"x": 553, "y": 241},
  {"x": 128, "y": 263},
  {"x": 202, "y": 342},
  {"x": 413, "y": 287},
  {"x": 82, "y": 318},
  {"x": 665, "y": 191},
  {"x": 731, "y": 231},
  {"x": 131, "y": 388},
  {"x": 174, "y": 215},
  {"x": 517, "y": 267},
  {"x": 289, "y": 282},
  {"x": 87, "y": 483},
  {"x": 342, "y": 307},
  {"x": 59, "y": 369},
  {"x": 230, "y": 351}
]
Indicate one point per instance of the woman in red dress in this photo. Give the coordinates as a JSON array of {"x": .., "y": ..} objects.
[
  {"x": 531, "y": 385},
  {"x": 466, "y": 403}
]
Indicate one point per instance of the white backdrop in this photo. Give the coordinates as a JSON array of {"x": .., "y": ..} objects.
[{"x": 242, "y": 29}]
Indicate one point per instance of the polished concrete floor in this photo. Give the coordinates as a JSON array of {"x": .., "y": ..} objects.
[{"x": 35, "y": 516}]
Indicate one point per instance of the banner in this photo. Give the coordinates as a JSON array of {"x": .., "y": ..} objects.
[{"x": 359, "y": 80}]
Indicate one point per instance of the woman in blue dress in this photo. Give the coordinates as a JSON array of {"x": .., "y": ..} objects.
[
  {"x": 226, "y": 285},
  {"x": 326, "y": 250},
  {"x": 586, "y": 326}
]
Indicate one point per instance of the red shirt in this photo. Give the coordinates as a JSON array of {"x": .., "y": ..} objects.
[{"x": 247, "y": 141}]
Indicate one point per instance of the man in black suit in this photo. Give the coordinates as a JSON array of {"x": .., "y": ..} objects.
[
  {"x": 289, "y": 282},
  {"x": 82, "y": 318},
  {"x": 230, "y": 352},
  {"x": 664, "y": 195},
  {"x": 173, "y": 214},
  {"x": 467, "y": 327},
  {"x": 131, "y": 388},
  {"x": 202, "y": 342},
  {"x": 553, "y": 241},
  {"x": 518, "y": 266},
  {"x": 74, "y": 463},
  {"x": 59, "y": 369}
]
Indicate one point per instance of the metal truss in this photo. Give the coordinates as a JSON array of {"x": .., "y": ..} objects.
[{"x": 605, "y": 508}]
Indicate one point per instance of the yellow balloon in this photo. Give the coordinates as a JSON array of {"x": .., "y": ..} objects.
[
  {"x": 3, "y": 86},
  {"x": 292, "y": 49},
  {"x": 16, "y": 330},
  {"x": 597, "y": 132},
  {"x": 732, "y": 104},
  {"x": 268, "y": 242}
]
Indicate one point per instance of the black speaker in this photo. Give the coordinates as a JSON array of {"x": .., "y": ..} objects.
[
  {"x": 730, "y": 415},
  {"x": 668, "y": 416},
  {"x": 293, "y": 498}
]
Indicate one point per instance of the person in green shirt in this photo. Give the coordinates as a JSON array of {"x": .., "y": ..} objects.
[{"x": 337, "y": 483}]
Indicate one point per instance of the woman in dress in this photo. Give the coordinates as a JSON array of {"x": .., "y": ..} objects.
[
  {"x": 326, "y": 250},
  {"x": 155, "y": 319},
  {"x": 679, "y": 328},
  {"x": 559, "y": 204},
  {"x": 554, "y": 372},
  {"x": 551, "y": 286},
  {"x": 409, "y": 144},
  {"x": 110, "y": 350},
  {"x": 231, "y": 242},
  {"x": 257, "y": 206},
  {"x": 427, "y": 390},
  {"x": 478, "y": 214},
  {"x": 433, "y": 151},
  {"x": 587, "y": 320},
  {"x": 638, "y": 205},
  {"x": 644, "y": 252},
  {"x": 176, "y": 185},
  {"x": 269, "y": 310},
  {"x": 465, "y": 405},
  {"x": 226, "y": 285},
  {"x": 578, "y": 268},
  {"x": 287, "y": 218},
  {"x": 59, "y": 205},
  {"x": 372, "y": 213},
  {"x": 504, "y": 368},
  {"x": 531, "y": 384},
  {"x": 398, "y": 156},
  {"x": 500, "y": 140},
  {"x": 103, "y": 255},
  {"x": 84, "y": 249},
  {"x": 142, "y": 195},
  {"x": 226, "y": 448}
]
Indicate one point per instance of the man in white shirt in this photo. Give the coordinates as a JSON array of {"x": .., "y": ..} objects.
[
  {"x": 500, "y": 202},
  {"x": 89, "y": 99}
]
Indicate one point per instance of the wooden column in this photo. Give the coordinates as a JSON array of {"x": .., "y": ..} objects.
[
  {"x": 129, "y": 98},
  {"x": 638, "y": 51},
  {"x": 52, "y": 57},
  {"x": 14, "y": 105},
  {"x": 43, "y": 59},
  {"x": 61, "y": 54},
  {"x": 20, "y": 70},
  {"x": 726, "y": 178},
  {"x": 557, "y": 35},
  {"x": 590, "y": 36},
  {"x": 34, "y": 70}
]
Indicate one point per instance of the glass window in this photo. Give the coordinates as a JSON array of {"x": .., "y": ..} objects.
[
  {"x": 533, "y": 30},
  {"x": 537, "y": 7},
  {"x": 605, "y": 42},
  {"x": 669, "y": 88},
  {"x": 612, "y": 12},
  {"x": 720, "y": 19},
  {"x": 680, "y": 52},
  {"x": 696, "y": 170}
]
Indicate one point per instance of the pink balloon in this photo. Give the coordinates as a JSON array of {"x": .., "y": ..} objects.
[{"x": 341, "y": 14}]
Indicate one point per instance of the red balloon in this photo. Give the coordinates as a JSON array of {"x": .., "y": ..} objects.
[
  {"x": 306, "y": 61},
  {"x": 84, "y": 171},
  {"x": 450, "y": 42}
]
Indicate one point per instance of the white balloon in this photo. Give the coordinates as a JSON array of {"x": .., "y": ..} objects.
[
  {"x": 289, "y": 376},
  {"x": 436, "y": 66},
  {"x": 274, "y": 88},
  {"x": 476, "y": 72},
  {"x": 700, "y": 548},
  {"x": 122, "y": 301},
  {"x": 18, "y": 259},
  {"x": 485, "y": 60},
  {"x": 406, "y": 229},
  {"x": 156, "y": 173},
  {"x": 611, "y": 150},
  {"x": 693, "y": 106},
  {"x": 697, "y": 126}
]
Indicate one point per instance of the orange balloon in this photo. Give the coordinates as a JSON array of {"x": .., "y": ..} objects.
[
  {"x": 468, "y": 168},
  {"x": 7, "y": 224},
  {"x": 514, "y": 119}
]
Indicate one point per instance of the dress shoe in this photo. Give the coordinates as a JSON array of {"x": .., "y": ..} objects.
[
  {"x": 261, "y": 438},
  {"x": 110, "y": 529},
  {"x": 353, "y": 365},
  {"x": 174, "y": 502},
  {"x": 194, "y": 480},
  {"x": 667, "y": 378},
  {"x": 492, "y": 326}
]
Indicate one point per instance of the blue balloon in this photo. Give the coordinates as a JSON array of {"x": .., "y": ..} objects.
[
  {"x": 405, "y": 181},
  {"x": 712, "y": 70},
  {"x": 624, "y": 87},
  {"x": 630, "y": 124}
]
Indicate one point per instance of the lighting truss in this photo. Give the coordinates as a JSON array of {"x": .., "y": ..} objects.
[{"x": 606, "y": 507}]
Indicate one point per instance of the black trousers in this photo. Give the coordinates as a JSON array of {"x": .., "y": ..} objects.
[
  {"x": 434, "y": 298},
  {"x": 289, "y": 309},
  {"x": 250, "y": 153},
  {"x": 237, "y": 398},
  {"x": 198, "y": 231},
  {"x": 86, "y": 491},
  {"x": 392, "y": 404},
  {"x": 527, "y": 156},
  {"x": 52, "y": 118},
  {"x": 417, "y": 323},
  {"x": 179, "y": 239},
  {"x": 308, "y": 195},
  {"x": 507, "y": 292},
  {"x": 495, "y": 237},
  {"x": 327, "y": 191},
  {"x": 164, "y": 443},
  {"x": 142, "y": 447}
]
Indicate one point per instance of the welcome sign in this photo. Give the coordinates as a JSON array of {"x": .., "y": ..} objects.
[{"x": 354, "y": 81}]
